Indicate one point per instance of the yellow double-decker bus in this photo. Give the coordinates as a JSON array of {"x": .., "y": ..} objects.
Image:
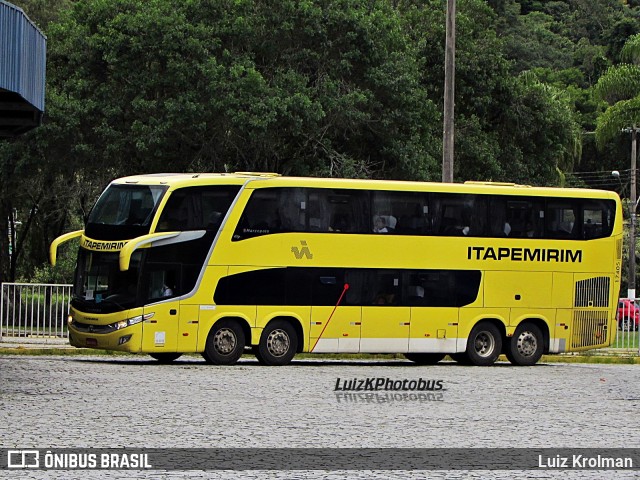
[{"x": 221, "y": 263}]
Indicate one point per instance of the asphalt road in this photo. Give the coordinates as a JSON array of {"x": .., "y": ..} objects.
[{"x": 134, "y": 402}]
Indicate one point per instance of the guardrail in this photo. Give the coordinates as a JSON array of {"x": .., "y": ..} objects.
[
  {"x": 627, "y": 334},
  {"x": 34, "y": 311}
]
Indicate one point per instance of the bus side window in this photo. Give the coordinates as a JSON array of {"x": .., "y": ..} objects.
[
  {"x": 349, "y": 211},
  {"x": 594, "y": 221},
  {"x": 498, "y": 223},
  {"x": 561, "y": 219},
  {"x": 163, "y": 281}
]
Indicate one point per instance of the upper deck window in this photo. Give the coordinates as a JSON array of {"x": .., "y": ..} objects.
[
  {"x": 278, "y": 210},
  {"x": 196, "y": 208},
  {"x": 124, "y": 211},
  {"x": 446, "y": 214}
]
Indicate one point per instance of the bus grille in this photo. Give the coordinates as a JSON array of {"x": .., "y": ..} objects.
[
  {"x": 593, "y": 292},
  {"x": 589, "y": 328}
]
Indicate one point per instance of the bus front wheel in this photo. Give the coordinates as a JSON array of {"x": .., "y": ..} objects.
[
  {"x": 225, "y": 343},
  {"x": 484, "y": 344},
  {"x": 424, "y": 358},
  {"x": 526, "y": 346},
  {"x": 278, "y": 344}
]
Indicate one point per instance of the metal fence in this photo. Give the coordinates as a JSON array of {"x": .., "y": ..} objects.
[
  {"x": 34, "y": 310},
  {"x": 626, "y": 337}
]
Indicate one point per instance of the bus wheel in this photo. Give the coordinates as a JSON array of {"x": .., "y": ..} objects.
[
  {"x": 526, "y": 346},
  {"x": 484, "y": 344},
  {"x": 166, "y": 357},
  {"x": 425, "y": 358},
  {"x": 225, "y": 343},
  {"x": 278, "y": 344}
]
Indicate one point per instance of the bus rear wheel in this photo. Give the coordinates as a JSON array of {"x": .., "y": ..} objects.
[
  {"x": 165, "y": 357},
  {"x": 424, "y": 358},
  {"x": 278, "y": 344},
  {"x": 526, "y": 346},
  {"x": 225, "y": 343},
  {"x": 484, "y": 344}
]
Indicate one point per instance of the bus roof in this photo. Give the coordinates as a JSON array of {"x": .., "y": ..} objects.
[{"x": 261, "y": 180}]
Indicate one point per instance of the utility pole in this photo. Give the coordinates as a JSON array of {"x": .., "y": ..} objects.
[
  {"x": 631, "y": 287},
  {"x": 449, "y": 93}
]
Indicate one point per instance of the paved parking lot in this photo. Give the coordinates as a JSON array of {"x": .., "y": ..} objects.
[{"x": 133, "y": 402}]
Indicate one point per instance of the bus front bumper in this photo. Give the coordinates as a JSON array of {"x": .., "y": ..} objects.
[{"x": 128, "y": 339}]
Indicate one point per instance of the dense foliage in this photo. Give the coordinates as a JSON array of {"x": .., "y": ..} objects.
[{"x": 305, "y": 87}]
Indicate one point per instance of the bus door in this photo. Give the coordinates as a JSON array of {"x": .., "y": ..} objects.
[
  {"x": 385, "y": 316},
  {"x": 336, "y": 314},
  {"x": 434, "y": 297},
  {"x": 160, "y": 326}
]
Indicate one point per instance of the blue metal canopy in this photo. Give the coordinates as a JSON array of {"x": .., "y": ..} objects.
[{"x": 22, "y": 71}]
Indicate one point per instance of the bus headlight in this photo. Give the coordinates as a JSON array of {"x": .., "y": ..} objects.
[{"x": 131, "y": 321}]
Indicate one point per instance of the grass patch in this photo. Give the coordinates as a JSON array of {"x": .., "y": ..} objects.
[
  {"x": 626, "y": 340},
  {"x": 38, "y": 351}
]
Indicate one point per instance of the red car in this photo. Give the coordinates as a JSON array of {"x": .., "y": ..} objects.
[{"x": 628, "y": 314}]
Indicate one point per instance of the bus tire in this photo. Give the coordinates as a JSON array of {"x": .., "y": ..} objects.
[
  {"x": 278, "y": 344},
  {"x": 225, "y": 343},
  {"x": 165, "y": 357},
  {"x": 526, "y": 346},
  {"x": 484, "y": 344},
  {"x": 425, "y": 358}
]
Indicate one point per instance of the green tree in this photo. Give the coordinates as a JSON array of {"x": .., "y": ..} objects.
[
  {"x": 295, "y": 87},
  {"x": 620, "y": 88}
]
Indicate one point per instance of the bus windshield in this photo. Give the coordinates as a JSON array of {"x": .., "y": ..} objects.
[
  {"x": 100, "y": 286},
  {"x": 124, "y": 211}
]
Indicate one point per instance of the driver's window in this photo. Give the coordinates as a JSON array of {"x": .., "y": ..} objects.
[{"x": 163, "y": 283}]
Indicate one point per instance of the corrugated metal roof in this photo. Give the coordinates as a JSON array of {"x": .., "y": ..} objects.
[{"x": 22, "y": 71}]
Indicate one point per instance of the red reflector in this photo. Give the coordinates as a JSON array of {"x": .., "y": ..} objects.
[
  {"x": 92, "y": 342},
  {"x": 185, "y": 334}
]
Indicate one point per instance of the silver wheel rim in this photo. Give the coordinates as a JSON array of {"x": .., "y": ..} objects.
[
  {"x": 484, "y": 344},
  {"x": 527, "y": 344},
  {"x": 278, "y": 342},
  {"x": 225, "y": 341}
]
